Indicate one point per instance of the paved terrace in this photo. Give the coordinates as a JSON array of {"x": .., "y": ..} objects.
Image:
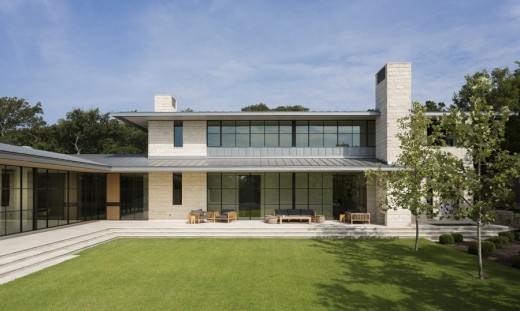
[{"x": 26, "y": 253}]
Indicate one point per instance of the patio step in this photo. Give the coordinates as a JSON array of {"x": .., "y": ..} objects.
[{"x": 25, "y": 262}]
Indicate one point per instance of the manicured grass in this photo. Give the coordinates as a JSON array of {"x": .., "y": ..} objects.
[{"x": 265, "y": 274}]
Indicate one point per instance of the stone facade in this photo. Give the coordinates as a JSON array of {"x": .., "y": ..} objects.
[
  {"x": 160, "y": 139},
  {"x": 393, "y": 100},
  {"x": 160, "y": 187}
]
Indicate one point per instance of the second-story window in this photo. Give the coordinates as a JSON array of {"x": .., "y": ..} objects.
[
  {"x": 298, "y": 133},
  {"x": 177, "y": 134}
]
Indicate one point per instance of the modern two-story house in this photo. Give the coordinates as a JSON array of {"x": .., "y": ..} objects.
[{"x": 252, "y": 162}]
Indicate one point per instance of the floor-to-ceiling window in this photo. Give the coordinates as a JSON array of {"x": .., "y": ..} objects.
[
  {"x": 255, "y": 195},
  {"x": 134, "y": 196},
  {"x": 32, "y": 199}
]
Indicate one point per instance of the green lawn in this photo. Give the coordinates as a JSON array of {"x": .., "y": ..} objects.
[{"x": 265, "y": 274}]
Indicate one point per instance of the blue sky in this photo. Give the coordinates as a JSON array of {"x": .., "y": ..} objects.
[{"x": 223, "y": 55}]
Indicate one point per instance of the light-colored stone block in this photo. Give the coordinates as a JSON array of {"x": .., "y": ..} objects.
[
  {"x": 164, "y": 103},
  {"x": 160, "y": 205}
]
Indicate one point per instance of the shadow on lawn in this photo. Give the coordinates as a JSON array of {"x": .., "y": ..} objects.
[{"x": 393, "y": 278}]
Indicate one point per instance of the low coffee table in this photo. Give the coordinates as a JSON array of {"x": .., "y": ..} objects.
[{"x": 294, "y": 217}]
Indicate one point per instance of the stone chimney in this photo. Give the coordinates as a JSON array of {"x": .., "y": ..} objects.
[
  {"x": 164, "y": 103},
  {"x": 394, "y": 101}
]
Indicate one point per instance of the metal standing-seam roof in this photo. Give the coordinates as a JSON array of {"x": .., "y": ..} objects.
[
  {"x": 140, "y": 163},
  {"x": 28, "y": 155}
]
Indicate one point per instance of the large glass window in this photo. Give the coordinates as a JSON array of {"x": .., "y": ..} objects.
[
  {"x": 260, "y": 134},
  {"x": 32, "y": 199},
  {"x": 134, "y": 196},
  {"x": 325, "y": 193}
]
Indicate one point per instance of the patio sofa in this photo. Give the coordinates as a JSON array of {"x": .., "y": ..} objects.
[{"x": 227, "y": 215}]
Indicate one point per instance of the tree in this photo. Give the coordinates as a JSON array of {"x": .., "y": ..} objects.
[
  {"x": 19, "y": 121},
  {"x": 416, "y": 170},
  {"x": 435, "y": 107},
  {"x": 291, "y": 108},
  {"x": 504, "y": 92},
  {"x": 479, "y": 182},
  {"x": 257, "y": 107},
  {"x": 264, "y": 107},
  {"x": 89, "y": 131}
]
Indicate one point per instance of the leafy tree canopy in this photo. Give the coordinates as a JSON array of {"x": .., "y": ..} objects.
[
  {"x": 435, "y": 107},
  {"x": 264, "y": 107},
  {"x": 17, "y": 120},
  {"x": 504, "y": 90},
  {"x": 89, "y": 131}
]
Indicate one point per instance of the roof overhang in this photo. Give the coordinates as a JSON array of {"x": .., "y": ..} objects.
[
  {"x": 24, "y": 156},
  {"x": 141, "y": 119}
]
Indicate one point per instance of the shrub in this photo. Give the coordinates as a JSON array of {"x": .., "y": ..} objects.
[
  {"x": 510, "y": 235},
  {"x": 487, "y": 248},
  {"x": 515, "y": 261},
  {"x": 499, "y": 241},
  {"x": 516, "y": 234},
  {"x": 457, "y": 237},
  {"x": 446, "y": 239}
]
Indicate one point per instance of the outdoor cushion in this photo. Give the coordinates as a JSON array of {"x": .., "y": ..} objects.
[
  {"x": 306, "y": 212},
  {"x": 198, "y": 211},
  {"x": 281, "y": 212},
  {"x": 293, "y": 212}
]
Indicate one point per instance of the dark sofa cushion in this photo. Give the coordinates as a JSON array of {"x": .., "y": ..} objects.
[
  {"x": 293, "y": 212},
  {"x": 280, "y": 212},
  {"x": 306, "y": 212}
]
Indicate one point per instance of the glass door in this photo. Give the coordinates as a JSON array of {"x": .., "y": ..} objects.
[{"x": 249, "y": 196}]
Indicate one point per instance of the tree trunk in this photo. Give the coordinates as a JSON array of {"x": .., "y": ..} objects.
[
  {"x": 479, "y": 241},
  {"x": 416, "y": 233}
]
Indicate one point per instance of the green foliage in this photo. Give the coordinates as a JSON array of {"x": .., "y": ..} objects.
[
  {"x": 499, "y": 241},
  {"x": 446, "y": 239},
  {"x": 487, "y": 248},
  {"x": 516, "y": 233},
  {"x": 418, "y": 168},
  {"x": 264, "y": 107},
  {"x": 515, "y": 261},
  {"x": 482, "y": 186},
  {"x": 20, "y": 121},
  {"x": 291, "y": 108},
  {"x": 432, "y": 106},
  {"x": 257, "y": 107},
  {"x": 90, "y": 132},
  {"x": 508, "y": 234},
  {"x": 289, "y": 274},
  {"x": 504, "y": 92},
  {"x": 457, "y": 237}
]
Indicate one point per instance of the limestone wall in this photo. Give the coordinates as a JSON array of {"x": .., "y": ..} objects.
[
  {"x": 160, "y": 188},
  {"x": 160, "y": 139}
]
